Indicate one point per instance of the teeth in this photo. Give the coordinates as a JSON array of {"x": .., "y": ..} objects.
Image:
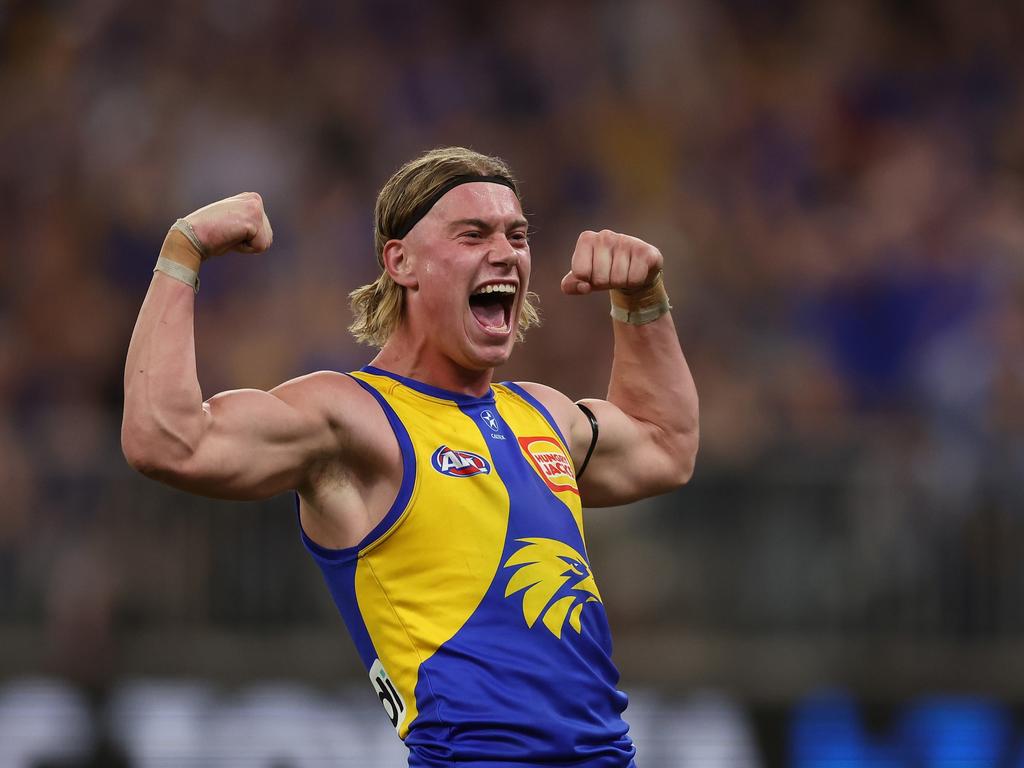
[{"x": 496, "y": 288}]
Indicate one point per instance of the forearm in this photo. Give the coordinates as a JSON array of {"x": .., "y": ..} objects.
[
  {"x": 163, "y": 402},
  {"x": 651, "y": 383},
  {"x": 648, "y": 427}
]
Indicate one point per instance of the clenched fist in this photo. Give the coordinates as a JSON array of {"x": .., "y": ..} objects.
[
  {"x": 604, "y": 260},
  {"x": 236, "y": 223}
]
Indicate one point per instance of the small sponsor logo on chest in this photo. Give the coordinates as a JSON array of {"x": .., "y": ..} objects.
[
  {"x": 551, "y": 463},
  {"x": 453, "y": 463},
  {"x": 492, "y": 423}
]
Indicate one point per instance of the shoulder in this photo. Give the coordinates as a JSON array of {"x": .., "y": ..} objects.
[
  {"x": 319, "y": 392},
  {"x": 549, "y": 397},
  {"x": 563, "y": 410},
  {"x": 317, "y": 388},
  {"x": 336, "y": 398}
]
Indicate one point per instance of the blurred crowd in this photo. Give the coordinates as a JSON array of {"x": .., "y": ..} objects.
[{"x": 837, "y": 187}]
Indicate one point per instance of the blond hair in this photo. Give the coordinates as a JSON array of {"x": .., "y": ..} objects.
[{"x": 378, "y": 306}]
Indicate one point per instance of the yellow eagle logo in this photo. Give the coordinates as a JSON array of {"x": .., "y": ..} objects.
[{"x": 557, "y": 581}]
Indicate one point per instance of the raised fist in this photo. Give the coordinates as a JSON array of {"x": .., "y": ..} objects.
[
  {"x": 236, "y": 223},
  {"x": 606, "y": 259}
]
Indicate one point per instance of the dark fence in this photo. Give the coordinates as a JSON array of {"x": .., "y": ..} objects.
[{"x": 841, "y": 563}]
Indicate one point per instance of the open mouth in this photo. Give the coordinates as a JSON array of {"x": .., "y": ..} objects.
[{"x": 491, "y": 305}]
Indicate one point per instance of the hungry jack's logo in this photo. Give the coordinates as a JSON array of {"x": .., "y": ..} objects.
[
  {"x": 551, "y": 463},
  {"x": 557, "y": 583}
]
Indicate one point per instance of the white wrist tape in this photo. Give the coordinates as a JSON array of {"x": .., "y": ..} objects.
[
  {"x": 178, "y": 272},
  {"x": 185, "y": 228},
  {"x": 641, "y": 306},
  {"x": 640, "y": 316}
]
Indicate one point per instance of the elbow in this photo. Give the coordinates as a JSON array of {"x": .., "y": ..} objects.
[
  {"x": 139, "y": 452},
  {"x": 684, "y": 459},
  {"x": 138, "y": 459},
  {"x": 148, "y": 452},
  {"x": 686, "y": 471},
  {"x": 133, "y": 445}
]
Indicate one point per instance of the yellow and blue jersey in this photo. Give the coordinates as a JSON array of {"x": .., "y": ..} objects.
[{"x": 472, "y": 603}]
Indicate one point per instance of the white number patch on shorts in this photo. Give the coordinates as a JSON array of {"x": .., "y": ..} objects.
[{"x": 388, "y": 694}]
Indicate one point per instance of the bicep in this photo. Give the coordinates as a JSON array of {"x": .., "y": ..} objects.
[
  {"x": 631, "y": 459},
  {"x": 254, "y": 444}
]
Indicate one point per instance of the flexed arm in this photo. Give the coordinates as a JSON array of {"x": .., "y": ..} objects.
[
  {"x": 648, "y": 426},
  {"x": 240, "y": 444}
]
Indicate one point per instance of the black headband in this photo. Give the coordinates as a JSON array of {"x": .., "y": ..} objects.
[{"x": 423, "y": 208}]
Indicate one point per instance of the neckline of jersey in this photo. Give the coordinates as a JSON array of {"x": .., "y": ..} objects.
[{"x": 426, "y": 389}]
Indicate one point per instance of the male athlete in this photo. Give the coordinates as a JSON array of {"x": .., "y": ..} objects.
[{"x": 443, "y": 509}]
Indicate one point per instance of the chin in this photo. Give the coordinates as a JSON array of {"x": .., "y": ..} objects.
[
  {"x": 477, "y": 355},
  {"x": 481, "y": 351},
  {"x": 483, "y": 360}
]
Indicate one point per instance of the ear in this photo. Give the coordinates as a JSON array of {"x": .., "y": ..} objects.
[{"x": 400, "y": 264}]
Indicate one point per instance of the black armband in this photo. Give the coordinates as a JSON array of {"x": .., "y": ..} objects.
[{"x": 593, "y": 439}]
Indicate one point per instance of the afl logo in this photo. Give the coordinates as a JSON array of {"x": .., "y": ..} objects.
[{"x": 459, "y": 463}]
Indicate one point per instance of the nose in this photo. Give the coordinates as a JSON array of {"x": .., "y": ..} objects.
[{"x": 503, "y": 252}]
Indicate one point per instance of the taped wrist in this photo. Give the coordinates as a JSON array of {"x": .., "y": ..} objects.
[
  {"x": 641, "y": 306},
  {"x": 182, "y": 225},
  {"x": 179, "y": 259}
]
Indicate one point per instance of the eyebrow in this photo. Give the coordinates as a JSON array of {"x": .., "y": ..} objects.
[{"x": 485, "y": 225}]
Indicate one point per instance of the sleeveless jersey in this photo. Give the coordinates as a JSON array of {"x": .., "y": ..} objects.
[{"x": 472, "y": 603}]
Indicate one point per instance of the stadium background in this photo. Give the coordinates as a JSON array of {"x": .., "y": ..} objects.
[{"x": 837, "y": 188}]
